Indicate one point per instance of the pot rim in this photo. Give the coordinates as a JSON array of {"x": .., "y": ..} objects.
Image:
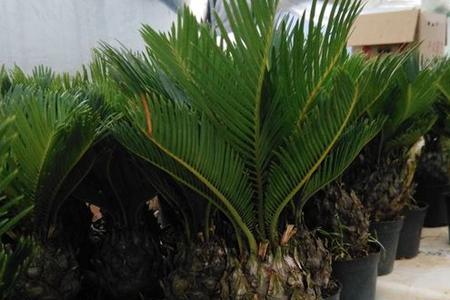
[
  {"x": 419, "y": 206},
  {"x": 398, "y": 220},
  {"x": 375, "y": 250}
]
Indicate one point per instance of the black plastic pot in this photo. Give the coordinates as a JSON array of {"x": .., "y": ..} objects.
[
  {"x": 436, "y": 197},
  {"x": 358, "y": 277},
  {"x": 387, "y": 233},
  {"x": 336, "y": 295},
  {"x": 409, "y": 241}
]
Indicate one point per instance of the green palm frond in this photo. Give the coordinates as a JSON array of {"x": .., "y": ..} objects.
[
  {"x": 54, "y": 132},
  {"x": 417, "y": 93},
  {"x": 41, "y": 77},
  {"x": 44, "y": 78},
  {"x": 12, "y": 261},
  {"x": 414, "y": 94},
  {"x": 305, "y": 151},
  {"x": 412, "y": 130},
  {"x": 378, "y": 78},
  {"x": 323, "y": 52},
  {"x": 5, "y": 81},
  {"x": 443, "y": 83},
  {"x": 134, "y": 73},
  {"x": 7, "y": 175},
  {"x": 223, "y": 179},
  {"x": 18, "y": 76},
  {"x": 442, "y": 107},
  {"x": 247, "y": 121},
  {"x": 342, "y": 155}
]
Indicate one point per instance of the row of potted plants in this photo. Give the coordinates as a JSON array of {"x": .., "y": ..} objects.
[
  {"x": 263, "y": 164},
  {"x": 374, "y": 201}
]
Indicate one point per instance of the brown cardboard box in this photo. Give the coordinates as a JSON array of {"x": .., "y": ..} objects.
[{"x": 391, "y": 31}]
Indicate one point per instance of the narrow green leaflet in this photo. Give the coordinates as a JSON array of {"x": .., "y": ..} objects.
[{"x": 60, "y": 128}]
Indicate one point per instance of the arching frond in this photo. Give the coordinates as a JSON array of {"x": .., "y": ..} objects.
[
  {"x": 204, "y": 161},
  {"x": 443, "y": 83},
  {"x": 348, "y": 147},
  {"x": 248, "y": 119},
  {"x": 308, "y": 148},
  {"x": 412, "y": 130},
  {"x": 417, "y": 92},
  {"x": 54, "y": 131}
]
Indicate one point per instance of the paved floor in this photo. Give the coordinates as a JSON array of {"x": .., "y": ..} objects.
[{"x": 426, "y": 277}]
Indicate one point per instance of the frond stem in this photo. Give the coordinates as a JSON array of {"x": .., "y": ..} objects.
[{"x": 148, "y": 117}]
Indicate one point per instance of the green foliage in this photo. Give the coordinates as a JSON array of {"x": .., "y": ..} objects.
[
  {"x": 250, "y": 120},
  {"x": 409, "y": 106},
  {"x": 444, "y": 81},
  {"x": 382, "y": 175},
  {"x": 443, "y": 106},
  {"x": 7, "y": 175},
  {"x": 5, "y": 82},
  {"x": 12, "y": 261},
  {"x": 54, "y": 131}
]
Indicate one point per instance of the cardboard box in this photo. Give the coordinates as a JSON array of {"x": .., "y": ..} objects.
[{"x": 392, "y": 31}]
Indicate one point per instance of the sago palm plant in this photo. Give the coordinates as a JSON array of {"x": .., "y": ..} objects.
[
  {"x": 336, "y": 212},
  {"x": 251, "y": 122},
  {"x": 433, "y": 176},
  {"x": 383, "y": 174},
  {"x": 72, "y": 117},
  {"x": 55, "y": 132},
  {"x": 14, "y": 254}
]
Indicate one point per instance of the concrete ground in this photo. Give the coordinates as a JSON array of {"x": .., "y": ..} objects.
[{"x": 426, "y": 277}]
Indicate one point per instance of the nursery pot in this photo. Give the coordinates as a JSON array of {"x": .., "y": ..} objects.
[
  {"x": 336, "y": 295},
  {"x": 358, "y": 277},
  {"x": 387, "y": 233},
  {"x": 435, "y": 196},
  {"x": 409, "y": 241}
]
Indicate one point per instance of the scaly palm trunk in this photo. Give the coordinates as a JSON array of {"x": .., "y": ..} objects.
[
  {"x": 298, "y": 270},
  {"x": 343, "y": 222},
  {"x": 53, "y": 274},
  {"x": 127, "y": 263},
  {"x": 379, "y": 184}
]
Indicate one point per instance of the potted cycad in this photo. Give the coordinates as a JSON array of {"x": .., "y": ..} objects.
[
  {"x": 66, "y": 168},
  {"x": 342, "y": 222},
  {"x": 432, "y": 174},
  {"x": 337, "y": 212},
  {"x": 431, "y": 178},
  {"x": 55, "y": 129},
  {"x": 432, "y": 165},
  {"x": 252, "y": 123},
  {"x": 443, "y": 132},
  {"x": 382, "y": 176}
]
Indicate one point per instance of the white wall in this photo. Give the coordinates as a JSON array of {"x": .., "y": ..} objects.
[{"x": 61, "y": 33}]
